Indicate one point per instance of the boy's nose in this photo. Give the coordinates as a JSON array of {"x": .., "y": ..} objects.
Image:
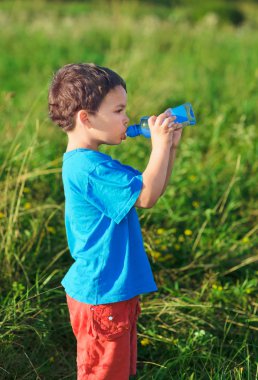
[{"x": 126, "y": 121}]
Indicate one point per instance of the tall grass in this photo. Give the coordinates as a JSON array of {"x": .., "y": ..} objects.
[{"x": 200, "y": 237}]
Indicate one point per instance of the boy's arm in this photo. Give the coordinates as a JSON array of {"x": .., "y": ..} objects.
[
  {"x": 154, "y": 176},
  {"x": 172, "y": 157},
  {"x": 158, "y": 171},
  {"x": 176, "y": 139}
]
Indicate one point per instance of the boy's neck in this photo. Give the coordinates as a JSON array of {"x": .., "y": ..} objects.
[{"x": 71, "y": 146}]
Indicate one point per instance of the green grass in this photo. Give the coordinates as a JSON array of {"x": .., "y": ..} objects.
[{"x": 200, "y": 237}]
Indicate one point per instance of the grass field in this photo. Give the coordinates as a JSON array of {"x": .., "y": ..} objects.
[{"x": 201, "y": 235}]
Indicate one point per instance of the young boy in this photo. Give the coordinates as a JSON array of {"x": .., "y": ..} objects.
[{"x": 111, "y": 268}]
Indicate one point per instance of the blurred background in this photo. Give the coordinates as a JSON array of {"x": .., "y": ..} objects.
[{"x": 200, "y": 237}]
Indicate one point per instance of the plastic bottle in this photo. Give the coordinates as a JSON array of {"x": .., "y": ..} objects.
[{"x": 184, "y": 115}]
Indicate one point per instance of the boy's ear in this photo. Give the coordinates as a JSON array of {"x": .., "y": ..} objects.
[{"x": 83, "y": 116}]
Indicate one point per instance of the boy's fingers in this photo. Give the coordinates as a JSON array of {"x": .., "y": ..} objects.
[
  {"x": 168, "y": 122},
  {"x": 178, "y": 126},
  {"x": 164, "y": 119},
  {"x": 151, "y": 120},
  {"x": 175, "y": 125},
  {"x": 161, "y": 118}
]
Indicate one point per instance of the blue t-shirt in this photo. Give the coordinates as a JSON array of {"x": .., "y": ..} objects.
[{"x": 103, "y": 230}]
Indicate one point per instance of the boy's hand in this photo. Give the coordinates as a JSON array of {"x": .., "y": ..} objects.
[
  {"x": 162, "y": 129},
  {"x": 177, "y": 127}
]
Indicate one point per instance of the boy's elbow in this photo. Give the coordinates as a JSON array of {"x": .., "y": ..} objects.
[
  {"x": 145, "y": 203},
  {"x": 149, "y": 204}
]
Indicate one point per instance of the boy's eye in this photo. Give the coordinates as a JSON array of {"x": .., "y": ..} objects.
[{"x": 119, "y": 110}]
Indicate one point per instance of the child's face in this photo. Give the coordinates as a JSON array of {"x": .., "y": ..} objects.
[{"x": 110, "y": 121}]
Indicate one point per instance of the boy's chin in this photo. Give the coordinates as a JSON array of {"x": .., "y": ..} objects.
[{"x": 118, "y": 142}]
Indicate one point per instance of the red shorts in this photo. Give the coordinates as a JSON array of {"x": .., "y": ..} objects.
[{"x": 106, "y": 338}]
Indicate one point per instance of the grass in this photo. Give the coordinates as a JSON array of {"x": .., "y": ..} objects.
[{"x": 200, "y": 237}]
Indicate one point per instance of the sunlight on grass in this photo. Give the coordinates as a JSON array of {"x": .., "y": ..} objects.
[{"x": 201, "y": 235}]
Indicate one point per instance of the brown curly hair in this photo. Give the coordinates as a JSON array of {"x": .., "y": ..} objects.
[{"x": 79, "y": 86}]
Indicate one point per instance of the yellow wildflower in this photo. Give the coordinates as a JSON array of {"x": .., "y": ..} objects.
[
  {"x": 2, "y": 215},
  {"x": 157, "y": 241},
  {"x": 27, "y": 205},
  {"x": 160, "y": 231},
  {"x": 145, "y": 342},
  {"x": 245, "y": 240},
  {"x": 26, "y": 190},
  {"x": 181, "y": 238},
  {"x": 52, "y": 359},
  {"x": 51, "y": 229},
  {"x": 195, "y": 204},
  {"x": 216, "y": 287},
  {"x": 188, "y": 232},
  {"x": 163, "y": 247},
  {"x": 192, "y": 177},
  {"x": 155, "y": 254},
  {"x": 248, "y": 291}
]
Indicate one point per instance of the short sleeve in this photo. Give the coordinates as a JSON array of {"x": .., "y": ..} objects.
[{"x": 113, "y": 188}]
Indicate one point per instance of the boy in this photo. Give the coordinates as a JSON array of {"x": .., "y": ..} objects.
[{"x": 111, "y": 268}]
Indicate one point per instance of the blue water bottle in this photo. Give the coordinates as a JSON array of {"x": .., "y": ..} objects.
[{"x": 184, "y": 115}]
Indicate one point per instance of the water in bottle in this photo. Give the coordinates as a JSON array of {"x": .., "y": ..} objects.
[{"x": 184, "y": 116}]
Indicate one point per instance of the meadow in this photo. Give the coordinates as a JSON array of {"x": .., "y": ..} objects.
[{"x": 201, "y": 236}]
